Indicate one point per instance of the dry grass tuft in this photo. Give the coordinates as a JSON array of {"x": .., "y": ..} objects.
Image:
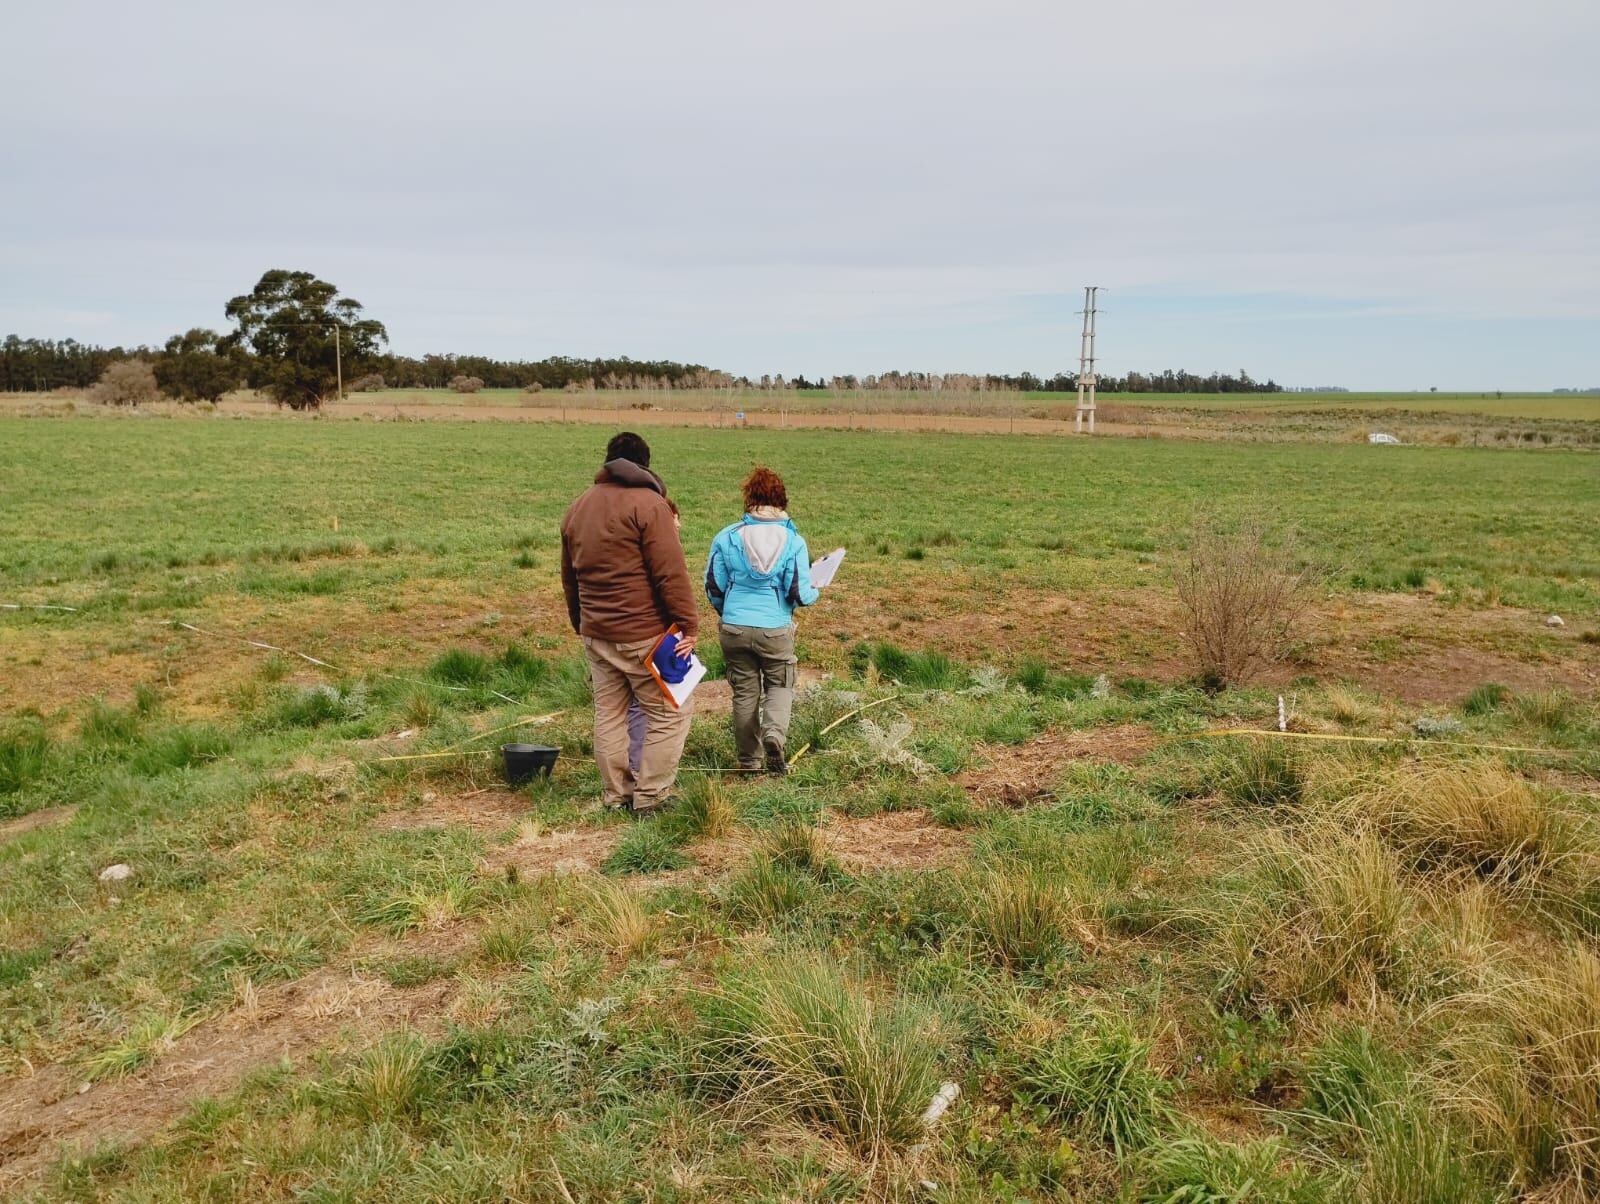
[
  {"x": 1479, "y": 817},
  {"x": 1024, "y": 917},
  {"x": 797, "y": 1037},
  {"x": 616, "y": 919},
  {"x": 1525, "y": 1054}
]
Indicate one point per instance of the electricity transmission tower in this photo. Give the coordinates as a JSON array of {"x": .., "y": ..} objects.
[{"x": 1086, "y": 374}]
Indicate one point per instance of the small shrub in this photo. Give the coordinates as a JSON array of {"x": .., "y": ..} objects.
[
  {"x": 462, "y": 383},
  {"x": 797, "y": 1035},
  {"x": 372, "y": 382},
  {"x": 1242, "y": 598},
  {"x": 128, "y": 383},
  {"x": 1100, "y": 1078}
]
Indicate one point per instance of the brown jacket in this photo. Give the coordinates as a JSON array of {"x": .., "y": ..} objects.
[{"x": 622, "y": 566}]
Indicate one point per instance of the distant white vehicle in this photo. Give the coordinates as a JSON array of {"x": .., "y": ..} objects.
[{"x": 1380, "y": 437}]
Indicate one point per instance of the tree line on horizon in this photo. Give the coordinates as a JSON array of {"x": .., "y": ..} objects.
[{"x": 295, "y": 337}]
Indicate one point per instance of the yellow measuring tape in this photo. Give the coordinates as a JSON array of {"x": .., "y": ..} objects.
[
  {"x": 806, "y": 747},
  {"x": 1256, "y": 731},
  {"x": 456, "y": 750}
]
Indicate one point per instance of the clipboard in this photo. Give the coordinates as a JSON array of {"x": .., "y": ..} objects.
[
  {"x": 824, "y": 570},
  {"x": 676, "y": 692}
]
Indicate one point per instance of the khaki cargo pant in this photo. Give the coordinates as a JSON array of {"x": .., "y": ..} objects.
[
  {"x": 760, "y": 665},
  {"x": 620, "y": 677}
]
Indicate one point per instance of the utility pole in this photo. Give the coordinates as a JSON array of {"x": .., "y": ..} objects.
[
  {"x": 338, "y": 361},
  {"x": 1086, "y": 374}
]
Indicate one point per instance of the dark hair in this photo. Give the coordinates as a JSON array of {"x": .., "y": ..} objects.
[
  {"x": 763, "y": 487},
  {"x": 628, "y": 446}
]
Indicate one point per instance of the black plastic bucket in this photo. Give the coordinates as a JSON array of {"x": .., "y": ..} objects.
[{"x": 524, "y": 762}]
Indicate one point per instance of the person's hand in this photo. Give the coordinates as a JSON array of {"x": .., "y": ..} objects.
[{"x": 684, "y": 647}]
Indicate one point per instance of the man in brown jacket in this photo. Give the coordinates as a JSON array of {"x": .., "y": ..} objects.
[{"x": 623, "y": 572}]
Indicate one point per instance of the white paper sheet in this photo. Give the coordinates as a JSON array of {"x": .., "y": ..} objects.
[
  {"x": 822, "y": 572},
  {"x": 680, "y": 691}
]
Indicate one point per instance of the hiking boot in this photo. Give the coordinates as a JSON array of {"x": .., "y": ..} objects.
[
  {"x": 638, "y": 810},
  {"x": 776, "y": 765}
]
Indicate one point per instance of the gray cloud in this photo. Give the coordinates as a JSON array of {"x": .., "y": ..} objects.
[{"x": 826, "y": 186}]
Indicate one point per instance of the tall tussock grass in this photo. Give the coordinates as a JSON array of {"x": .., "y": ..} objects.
[
  {"x": 1023, "y": 917},
  {"x": 1321, "y": 915},
  {"x": 1100, "y": 1077},
  {"x": 1524, "y": 1056},
  {"x": 795, "y": 1036},
  {"x": 1479, "y": 817}
]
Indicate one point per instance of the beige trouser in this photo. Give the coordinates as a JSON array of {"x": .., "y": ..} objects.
[
  {"x": 620, "y": 676},
  {"x": 760, "y": 666}
]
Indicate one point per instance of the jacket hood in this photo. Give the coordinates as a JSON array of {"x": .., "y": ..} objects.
[{"x": 629, "y": 474}]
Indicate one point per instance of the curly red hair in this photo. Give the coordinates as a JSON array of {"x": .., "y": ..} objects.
[{"x": 763, "y": 487}]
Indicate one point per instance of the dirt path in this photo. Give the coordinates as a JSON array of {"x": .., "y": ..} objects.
[{"x": 35, "y": 819}]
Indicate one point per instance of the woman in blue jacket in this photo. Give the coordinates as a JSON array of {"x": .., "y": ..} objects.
[{"x": 757, "y": 573}]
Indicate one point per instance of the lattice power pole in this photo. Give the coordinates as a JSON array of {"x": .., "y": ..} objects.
[{"x": 1086, "y": 374}]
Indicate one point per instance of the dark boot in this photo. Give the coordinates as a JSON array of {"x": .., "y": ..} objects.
[{"x": 776, "y": 765}]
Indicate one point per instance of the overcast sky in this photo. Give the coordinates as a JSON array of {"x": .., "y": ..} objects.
[{"x": 1397, "y": 194}]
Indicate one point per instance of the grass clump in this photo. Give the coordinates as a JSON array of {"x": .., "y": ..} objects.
[
  {"x": 461, "y": 667},
  {"x": 928, "y": 670},
  {"x": 390, "y": 1080},
  {"x": 1485, "y": 699},
  {"x": 797, "y": 1035},
  {"x": 1263, "y": 774},
  {"x": 1100, "y": 1078},
  {"x": 767, "y": 890},
  {"x": 1479, "y": 817},
  {"x": 705, "y": 812},
  {"x": 615, "y": 918},
  {"x": 1322, "y": 916},
  {"x": 646, "y": 848},
  {"x": 142, "y": 1043},
  {"x": 1524, "y": 1055},
  {"x": 24, "y": 755},
  {"x": 263, "y": 956},
  {"x": 1023, "y": 916},
  {"x": 1196, "y": 1168}
]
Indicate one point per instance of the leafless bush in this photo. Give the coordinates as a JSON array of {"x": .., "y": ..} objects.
[
  {"x": 372, "y": 382},
  {"x": 1243, "y": 595},
  {"x": 127, "y": 383},
  {"x": 533, "y": 386},
  {"x": 466, "y": 384}
]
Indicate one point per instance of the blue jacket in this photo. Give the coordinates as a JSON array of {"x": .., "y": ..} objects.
[{"x": 758, "y": 572}]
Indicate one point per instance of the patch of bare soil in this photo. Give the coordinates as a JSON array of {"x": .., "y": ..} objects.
[
  {"x": 894, "y": 840},
  {"x": 570, "y": 851},
  {"x": 1016, "y": 775},
  {"x": 54, "y": 1111},
  {"x": 35, "y": 819},
  {"x": 487, "y": 810}
]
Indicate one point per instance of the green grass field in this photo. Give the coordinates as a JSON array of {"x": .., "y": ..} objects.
[{"x": 1158, "y": 967}]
